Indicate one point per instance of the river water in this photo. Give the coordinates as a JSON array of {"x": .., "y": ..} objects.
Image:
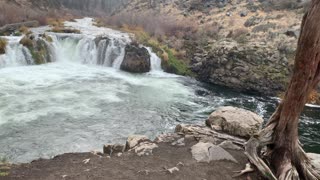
[{"x": 78, "y": 102}]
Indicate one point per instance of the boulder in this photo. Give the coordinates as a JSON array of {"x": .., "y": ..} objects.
[
  {"x": 207, "y": 152},
  {"x": 136, "y": 59},
  {"x": 134, "y": 140},
  {"x": 235, "y": 121}
]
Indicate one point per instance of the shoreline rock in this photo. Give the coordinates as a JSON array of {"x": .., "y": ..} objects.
[{"x": 235, "y": 121}]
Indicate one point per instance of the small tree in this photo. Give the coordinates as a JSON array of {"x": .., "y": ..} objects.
[{"x": 285, "y": 157}]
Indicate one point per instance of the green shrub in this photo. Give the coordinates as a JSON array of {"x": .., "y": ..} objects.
[{"x": 3, "y": 44}]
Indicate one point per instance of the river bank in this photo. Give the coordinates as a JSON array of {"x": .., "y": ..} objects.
[{"x": 191, "y": 152}]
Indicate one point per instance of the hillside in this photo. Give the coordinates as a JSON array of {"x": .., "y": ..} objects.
[{"x": 246, "y": 45}]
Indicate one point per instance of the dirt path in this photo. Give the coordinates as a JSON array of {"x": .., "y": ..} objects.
[{"x": 130, "y": 166}]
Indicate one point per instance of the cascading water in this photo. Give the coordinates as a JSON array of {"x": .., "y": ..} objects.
[
  {"x": 154, "y": 60},
  {"x": 16, "y": 54},
  {"x": 76, "y": 103}
]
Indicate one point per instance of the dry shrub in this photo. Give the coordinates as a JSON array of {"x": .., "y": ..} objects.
[
  {"x": 23, "y": 29},
  {"x": 154, "y": 25},
  {"x": 27, "y": 42},
  {"x": 12, "y": 13},
  {"x": 314, "y": 97},
  {"x": 3, "y": 44}
]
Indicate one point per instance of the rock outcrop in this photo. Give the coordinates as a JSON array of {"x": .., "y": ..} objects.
[
  {"x": 235, "y": 121},
  {"x": 250, "y": 67},
  {"x": 136, "y": 59}
]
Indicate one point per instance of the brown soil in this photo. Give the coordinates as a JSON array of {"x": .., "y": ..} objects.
[{"x": 130, "y": 166}]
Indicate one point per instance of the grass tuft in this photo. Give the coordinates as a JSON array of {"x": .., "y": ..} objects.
[{"x": 3, "y": 45}]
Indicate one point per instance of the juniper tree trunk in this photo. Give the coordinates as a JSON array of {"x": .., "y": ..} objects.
[{"x": 286, "y": 158}]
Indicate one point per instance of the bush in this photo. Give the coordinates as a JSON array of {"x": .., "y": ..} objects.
[
  {"x": 27, "y": 42},
  {"x": 154, "y": 24},
  {"x": 264, "y": 27},
  {"x": 3, "y": 45},
  {"x": 23, "y": 29}
]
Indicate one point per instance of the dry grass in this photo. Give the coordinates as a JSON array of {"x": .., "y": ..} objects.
[
  {"x": 314, "y": 97},
  {"x": 27, "y": 42},
  {"x": 154, "y": 24},
  {"x": 3, "y": 44}
]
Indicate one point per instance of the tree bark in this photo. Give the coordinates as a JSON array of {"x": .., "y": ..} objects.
[{"x": 285, "y": 156}]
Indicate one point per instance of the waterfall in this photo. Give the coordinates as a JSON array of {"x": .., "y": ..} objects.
[
  {"x": 16, "y": 54},
  {"x": 155, "y": 61},
  {"x": 94, "y": 46},
  {"x": 88, "y": 50}
]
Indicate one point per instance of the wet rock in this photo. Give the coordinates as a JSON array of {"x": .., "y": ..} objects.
[
  {"x": 136, "y": 59},
  {"x": 229, "y": 145},
  {"x": 235, "y": 121},
  {"x": 207, "y": 152},
  {"x": 134, "y": 140}
]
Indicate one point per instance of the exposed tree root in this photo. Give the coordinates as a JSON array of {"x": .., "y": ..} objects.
[{"x": 289, "y": 167}]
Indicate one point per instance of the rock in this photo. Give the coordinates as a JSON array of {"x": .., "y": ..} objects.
[
  {"x": 109, "y": 149},
  {"x": 229, "y": 145},
  {"x": 134, "y": 140},
  {"x": 243, "y": 13},
  {"x": 145, "y": 148},
  {"x": 136, "y": 59},
  {"x": 170, "y": 137},
  {"x": 315, "y": 160},
  {"x": 172, "y": 170},
  {"x": 179, "y": 142},
  {"x": 235, "y": 121},
  {"x": 292, "y": 33},
  {"x": 207, "y": 152}
]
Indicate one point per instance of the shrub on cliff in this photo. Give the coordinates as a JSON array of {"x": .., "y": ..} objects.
[{"x": 3, "y": 44}]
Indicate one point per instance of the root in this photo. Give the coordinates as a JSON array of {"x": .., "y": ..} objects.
[{"x": 289, "y": 169}]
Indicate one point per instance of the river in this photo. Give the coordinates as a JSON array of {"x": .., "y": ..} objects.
[{"x": 80, "y": 102}]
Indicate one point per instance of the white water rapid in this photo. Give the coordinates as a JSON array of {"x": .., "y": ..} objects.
[{"x": 82, "y": 100}]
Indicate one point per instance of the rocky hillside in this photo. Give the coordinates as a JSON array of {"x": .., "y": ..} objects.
[{"x": 244, "y": 44}]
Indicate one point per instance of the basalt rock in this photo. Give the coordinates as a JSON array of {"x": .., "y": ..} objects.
[
  {"x": 136, "y": 59},
  {"x": 252, "y": 67}
]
